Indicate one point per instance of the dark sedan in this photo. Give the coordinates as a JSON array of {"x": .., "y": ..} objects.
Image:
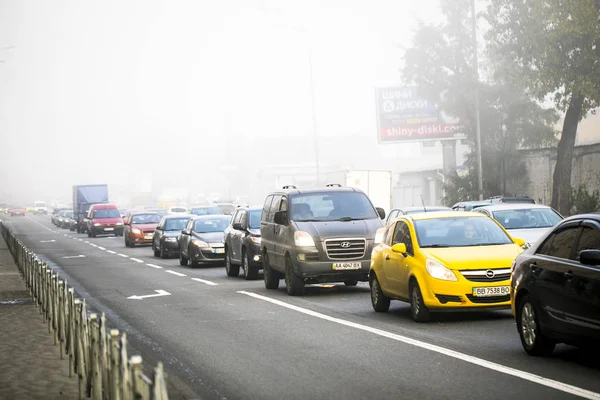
[
  {"x": 555, "y": 287},
  {"x": 202, "y": 240},
  {"x": 242, "y": 243},
  {"x": 166, "y": 235}
]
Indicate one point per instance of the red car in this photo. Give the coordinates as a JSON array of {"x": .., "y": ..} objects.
[
  {"x": 17, "y": 211},
  {"x": 104, "y": 219},
  {"x": 139, "y": 228}
]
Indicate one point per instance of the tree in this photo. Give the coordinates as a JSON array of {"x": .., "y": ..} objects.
[
  {"x": 552, "y": 47},
  {"x": 440, "y": 64}
]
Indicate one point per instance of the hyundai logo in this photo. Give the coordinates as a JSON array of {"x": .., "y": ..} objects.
[
  {"x": 489, "y": 273},
  {"x": 345, "y": 244}
]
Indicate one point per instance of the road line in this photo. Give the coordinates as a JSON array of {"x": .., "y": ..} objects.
[
  {"x": 86, "y": 242},
  {"x": 154, "y": 266},
  {"x": 111, "y": 252},
  {"x": 205, "y": 281},
  {"x": 64, "y": 234},
  {"x": 175, "y": 273},
  {"x": 92, "y": 244},
  {"x": 136, "y": 260},
  {"x": 101, "y": 248},
  {"x": 563, "y": 387},
  {"x": 81, "y": 240},
  {"x": 123, "y": 255}
]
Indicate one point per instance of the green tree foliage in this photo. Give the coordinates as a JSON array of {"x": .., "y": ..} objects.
[
  {"x": 552, "y": 47},
  {"x": 440, "y": 63}
]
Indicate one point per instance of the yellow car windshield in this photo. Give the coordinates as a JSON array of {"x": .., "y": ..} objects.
[{"x": 459, "y": 232}]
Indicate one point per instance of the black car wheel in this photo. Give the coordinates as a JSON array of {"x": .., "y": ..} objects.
[
  {"x": 379, "y": 300},
  {"x": 192, "y": 263},
  {"x": 250, "y": 271},
  {"x": 418, "y": 309},
  {"x": 182, "y": 260},
  {"x": 230, "y": 268},
  {"x": 533, "y": 340},
  {"x": 270, "y": 277},
  {"x": 156, "y": 251},
  {"x": 162, "y": 253},
  {"x": 294, "y": 284}
]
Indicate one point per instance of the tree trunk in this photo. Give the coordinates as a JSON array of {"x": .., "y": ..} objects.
[{"x": 561, "y": 182}]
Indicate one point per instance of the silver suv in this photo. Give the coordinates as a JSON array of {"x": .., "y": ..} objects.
[{"x": 317, "y": 235}]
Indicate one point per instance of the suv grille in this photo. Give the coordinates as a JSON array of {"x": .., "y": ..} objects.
[
  {"x": 345, "y": 249},
  {"x": 483, "y": 275}
]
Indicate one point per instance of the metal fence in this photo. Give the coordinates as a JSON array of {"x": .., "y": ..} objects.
[{"x": 97, "y": 356}]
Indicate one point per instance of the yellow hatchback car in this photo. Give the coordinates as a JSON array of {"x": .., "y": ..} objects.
[{"x": 443, "y": 261}]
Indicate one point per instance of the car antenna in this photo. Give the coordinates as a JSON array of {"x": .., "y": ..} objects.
[{"x": 423, "y": 202}]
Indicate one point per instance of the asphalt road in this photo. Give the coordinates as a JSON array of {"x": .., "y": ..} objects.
[{"x": 224, "y": 337}]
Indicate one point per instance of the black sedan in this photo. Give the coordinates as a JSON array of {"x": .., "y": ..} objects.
[
  {"x": 202, "y": 240},
  {"x": 165, "y": 242},
  {"x": 242, "y": 243},
  {"x": 555, "y": 288}
]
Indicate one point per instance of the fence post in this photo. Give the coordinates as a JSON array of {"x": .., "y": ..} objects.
[
  {"x": 49, "y": 299},
  {"x": 115, "y": 368},
  {"x": 95, "y": 377},
  {"x": 159, "y": 385},
  {"x": 125, "y": 373},
  {"x": 54, "y": 299},
  {"x": 61, "y": 317},
  {"x": 70, "y": 331},
  {"x": 139, "y": 391}
]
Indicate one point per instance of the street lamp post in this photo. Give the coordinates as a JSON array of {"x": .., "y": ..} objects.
[
  {"x": 476, "y": 98},
  {"x": 314, "y": 115}
]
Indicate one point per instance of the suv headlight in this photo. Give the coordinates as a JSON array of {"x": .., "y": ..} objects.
[
  {"x": 199, "y": 243},
  {"x": 303, "y": 239},
  {"x": 255, "y": 239},
  {"x": 438, "y": 271}
]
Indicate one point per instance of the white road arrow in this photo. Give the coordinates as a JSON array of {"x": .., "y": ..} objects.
[
  {"x": 47, "y": 241},
  {"x": 79, "y": 256},
  {"x": 158, "y": 293}
]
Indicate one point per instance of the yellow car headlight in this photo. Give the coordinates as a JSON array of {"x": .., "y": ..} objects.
[{"x": 438, "y": 271}]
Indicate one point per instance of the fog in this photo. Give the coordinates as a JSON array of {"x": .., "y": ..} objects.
[{"x": 193, "y": 97}]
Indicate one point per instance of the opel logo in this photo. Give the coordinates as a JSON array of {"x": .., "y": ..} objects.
[
  {"x": 345, "y": 244},
  {"x": 489, "y": 273}
]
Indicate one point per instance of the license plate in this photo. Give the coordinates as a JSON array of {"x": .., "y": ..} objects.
[
  {"x": 491, "y": 291},
  {"x": 148, "y": 237},
  {"x": 347, "y": 265},
  {"x": 219, "y": 251},
  {"x": 109, "y": 229}
]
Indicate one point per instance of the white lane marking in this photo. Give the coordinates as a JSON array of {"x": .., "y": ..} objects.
[
  {"x": 175, "y": 273},
  {"x": 101, "y": 248},
  {"x": 92, "y": 244},
  {"x": 79, "y": 256},
  {"x": 205, "y": 281},
  {"x": 136, "y": 260},
  {"x": 47, "y": 241},
  {"x": 111, "y": 252},
  {"x": 123, "y": 255},
  {"x": 64, "y": 234},
  {"x": 81, "y": 240},
  {"x": 563, "y": 387},
  {"x": 159, "y": 292},
  {"x": 86, "y": 242},
  {"x": 154, "y": 266}
]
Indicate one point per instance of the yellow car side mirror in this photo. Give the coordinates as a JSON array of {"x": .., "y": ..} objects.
[
  {"x": 399, "y": 248},
  {"x": 520, "y": 242}
]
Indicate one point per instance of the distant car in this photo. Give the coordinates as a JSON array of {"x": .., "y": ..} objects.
[
  {"x": 396, "y": 212},
  {"x": 17, "y": 212},
  {"x": 227, "y": 208},
  {"x": 177, "y": 210},
  {"x": 104, "y": 219},
  {"x": 527, "y": 221},
  {"x": 242, "y": 243},
  {"x": 202, "y": 240},
  {"x": 443, "y": 261},
  {"x": 165, "y": 242},
  {"x": 62, "y": 219},
  {"x": 206, "y": 210},
  {"x": 54, "y": 215},
  {"x": 159, "y": 211},
  {"x": 555, "y": 288},
  {"x": 512, "y": 199},
  {"x": 139, "y": 228},
  {"x": 470, "y": 205}
]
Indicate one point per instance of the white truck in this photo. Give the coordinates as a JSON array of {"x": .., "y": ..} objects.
[
  {"x": 377, "y": 184},
  {"x": 39, "y": 207}
]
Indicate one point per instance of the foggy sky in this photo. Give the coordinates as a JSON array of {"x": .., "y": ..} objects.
[{"x": 95, "y": 92}]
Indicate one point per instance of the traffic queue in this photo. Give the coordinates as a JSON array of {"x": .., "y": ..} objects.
[{"x": 502, "y": 253}]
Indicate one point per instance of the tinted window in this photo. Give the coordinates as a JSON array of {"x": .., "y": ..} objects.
[
  {"x": 69, "y": 214},
  {"x": 145, "y": 219},
  {"x": 254, "y": 220},
  {"x": 589, "y": 240},
  {"x": 388, "y": 235},
  {"x": 175, "y": 224},
  {"x": 112, "y": 213},
  {"x": 226, "y": 208},
  {"x": 402, "y": 235},
  {"x": 331, "y": 206},
  {"x": 460, "y": 232},
  {"x": 274, "y": 207},
  {"x": 207, "y": 211},
  {"x": 560, "y": 243},
  {"x": 267, "y": 208},
  {"x": 211, "y": 225}
]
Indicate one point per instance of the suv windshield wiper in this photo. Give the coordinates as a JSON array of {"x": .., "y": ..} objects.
[
  {"x": 308, "y": 220},
  {"x": 344, "y": 219}
]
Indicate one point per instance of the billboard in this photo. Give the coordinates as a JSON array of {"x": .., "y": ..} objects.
[{"x": 404, "y": 116}]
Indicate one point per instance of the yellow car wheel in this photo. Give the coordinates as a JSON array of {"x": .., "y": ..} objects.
[
  {"x": 418, "y": 309},
  {"x": 379, "y": 300}
]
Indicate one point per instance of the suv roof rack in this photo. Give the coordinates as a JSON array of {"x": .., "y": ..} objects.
[
  {"x": 289, "y": 187},
  {"x": 333, "y": 185}
]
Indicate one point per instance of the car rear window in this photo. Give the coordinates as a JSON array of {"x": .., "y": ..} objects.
[{"x": 111, "y": 213}]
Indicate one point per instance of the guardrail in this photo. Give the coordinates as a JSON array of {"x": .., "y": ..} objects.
[{"x": 98, "y": 357}]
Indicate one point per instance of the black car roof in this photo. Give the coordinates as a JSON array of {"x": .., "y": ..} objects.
[
  {"x": 593, "y": 215},
  {"x": 295, "y": 191}
]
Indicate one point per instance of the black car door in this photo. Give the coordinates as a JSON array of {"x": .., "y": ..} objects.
[
  {"x": 236, "y": 247},
  {"x": 186, "y": 236},
  {"x": 551, "y": 269},
  {"x": 583, "y": 288},
  {"x": 158, "y": 233}
]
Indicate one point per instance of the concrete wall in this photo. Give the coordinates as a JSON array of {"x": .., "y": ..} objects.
[{"x": 540, "y": 167}]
